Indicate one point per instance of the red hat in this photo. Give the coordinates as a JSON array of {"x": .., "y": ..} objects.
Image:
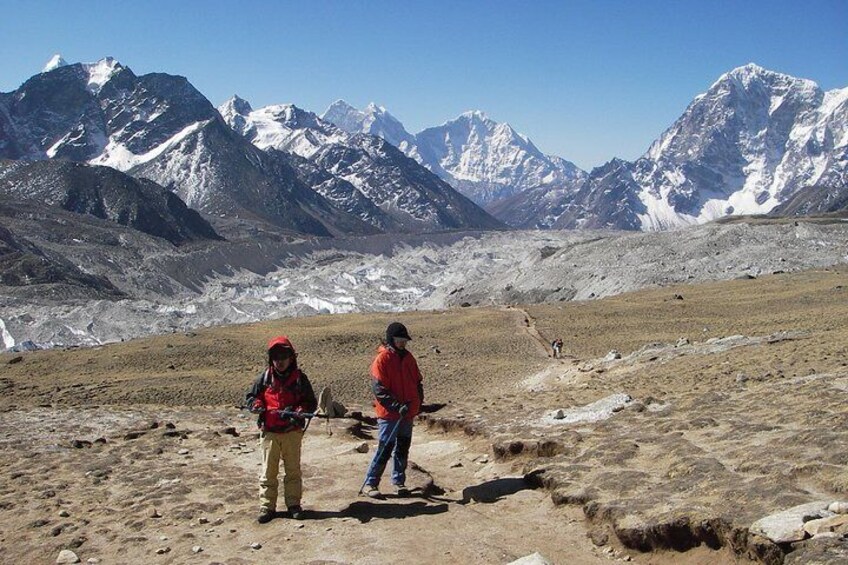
[{"x": 280, "y": 341}]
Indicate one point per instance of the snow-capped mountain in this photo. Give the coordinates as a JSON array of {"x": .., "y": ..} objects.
[
  {"x": 374, "y": 120},
  {"x": 485, "y": 160},
  {"x": 751, "y": 142},
  {"x": 370, "y": 177},
  {"x": 159, "y": 127}
]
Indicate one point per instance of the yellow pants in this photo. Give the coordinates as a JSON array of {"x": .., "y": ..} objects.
[{"x": 276, "y": 446}]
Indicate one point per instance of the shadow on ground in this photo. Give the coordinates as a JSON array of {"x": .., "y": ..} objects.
[
  {"x": 367, "y": 511},
  {"x": 494, "y": 490}
]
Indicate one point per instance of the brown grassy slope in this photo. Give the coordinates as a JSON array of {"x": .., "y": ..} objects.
[
  {"x": 813, "y": 301},
  {"x": 481, "y": 352},
  {"x": 458, "y": 350}
]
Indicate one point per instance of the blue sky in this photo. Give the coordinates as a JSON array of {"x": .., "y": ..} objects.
[{"x": 586, "y": 80}]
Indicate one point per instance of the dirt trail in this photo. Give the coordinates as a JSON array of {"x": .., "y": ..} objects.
[
  {"x": 156, "y": 495},
  {"x": 528, "y": 323}
]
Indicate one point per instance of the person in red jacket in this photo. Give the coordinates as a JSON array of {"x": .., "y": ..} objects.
[
  {"x": 281, "y": 386},
  {"x": 399, "y": 392}
]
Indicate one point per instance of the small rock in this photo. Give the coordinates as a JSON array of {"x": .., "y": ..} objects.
[
  {"x": 64, "y": 514},
  {"x": 361, "y": 448},
  {"x": 163, "y": 538},
  {"x": 257, "y": 545},
  {"x": 203, "y": 520},
  {"x": 456, "y": 464},
  {"x": 678, "y": 297},
  {"x": 741, "y": 378},
  {"x": 612, "y": 355},
  {"x": 163, "y": 550},
  {"x": 183, "y": 451},
  {"x": 599, "y": 537},
  {"x": 838, "y": 507},
  {"x": 92, "y": 560},
  {"x": 14, "y": 360},
  {"x": 681, "y": 342},
  {"x": 559, "y": 414},
  {"x": 196, "y": 549},
  {"x": 67, "y": 556},
  {"x": 834, "y": 524},
  {"x": 532, "y": 559},
  {"x": 155, "y": 513}
]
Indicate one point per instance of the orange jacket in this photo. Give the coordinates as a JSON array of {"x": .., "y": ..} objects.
[{"x": 396, "y": 381}]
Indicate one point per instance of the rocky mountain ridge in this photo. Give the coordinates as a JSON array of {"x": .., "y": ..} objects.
[
  {"x": 485, "y": 160},
  {"x": 159, "y": 127},
  {"x": 368, "y": 176},
  {"x": 755, "y": 139}
]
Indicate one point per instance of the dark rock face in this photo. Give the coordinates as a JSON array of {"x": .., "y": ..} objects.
[
  {"x": 105, "y": 193},
  {"x": 814, "y": 200},
  {"x": 26, "y": 266},
  {"x": 608, "y": 199}
]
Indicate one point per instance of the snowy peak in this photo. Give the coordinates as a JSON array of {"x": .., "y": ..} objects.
[
  {"x": 749, "y": 143},
  {"x": 235, "y": 112},
  {"x": 235, "y": 106},
  {"x": 346, "y": 117},
  {"x": 374, "y": 120},
  {"x": 96, "y": 74},
  {"x": 54, "y": 63},
  {"x": 283, "y": 127},
  {"x": 483, "y": 159},
  {"x": 488, "y": 160},
  {"x": 101, "y": 72}
]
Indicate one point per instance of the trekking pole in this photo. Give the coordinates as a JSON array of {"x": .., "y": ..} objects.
[
  {"x": 382, "y": 447},
  {"x": 306, "y": 416}
]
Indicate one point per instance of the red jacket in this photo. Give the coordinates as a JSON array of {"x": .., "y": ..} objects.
[{"x": 396, "y": 381}]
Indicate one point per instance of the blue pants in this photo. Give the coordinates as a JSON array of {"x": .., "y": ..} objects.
[{"x": 398, "y": 445}]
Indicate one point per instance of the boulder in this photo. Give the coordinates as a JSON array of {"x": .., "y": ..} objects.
[{"x": 788, "y": 526}]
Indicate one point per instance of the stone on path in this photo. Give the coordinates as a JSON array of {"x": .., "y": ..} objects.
[
  {"x": 838, "y": 507},
  {"x": 532, "y": 559},
  {"x": 67, "y": 556}
]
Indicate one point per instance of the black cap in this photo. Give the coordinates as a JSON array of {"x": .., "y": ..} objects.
[{"x": 396, "y": 329}]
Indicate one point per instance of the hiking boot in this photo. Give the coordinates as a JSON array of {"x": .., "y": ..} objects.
[
  {"x": 372, "y": 492},
  {"x": 402, "y": 491},
  {"x": 266, "y": 515},
  {"x": 296, "y": 512}
]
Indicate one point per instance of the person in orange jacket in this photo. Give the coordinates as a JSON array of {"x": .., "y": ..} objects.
[
  {"x": 399, "y": 392},
  {"x": 282, "y": 386}
]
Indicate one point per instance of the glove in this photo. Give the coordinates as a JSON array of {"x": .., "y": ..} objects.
[
  {"x": 257, "y": 408},
  {"x": 403, "y": 409}
]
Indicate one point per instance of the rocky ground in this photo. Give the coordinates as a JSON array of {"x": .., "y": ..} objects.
[{"x": 677, "y": 423}]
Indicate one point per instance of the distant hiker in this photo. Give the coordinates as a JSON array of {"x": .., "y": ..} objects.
[
  {"x": 399, "y": 392},
  {"x": 281, "y": 386},
  {"x": 556, "y": 347}
]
